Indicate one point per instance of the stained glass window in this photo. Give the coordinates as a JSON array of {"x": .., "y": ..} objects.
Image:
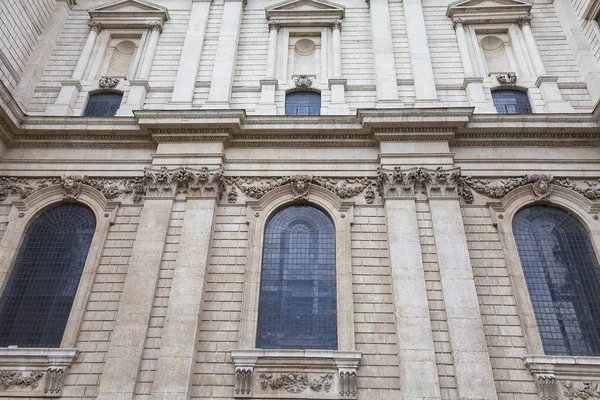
[
  {"x": 563, "y": 278},
  {"x": 297, "y": 306},
  {"x": 39, "y": 294},
  {"x": 511, "y": 102},
  {"x": 103, "y": 104},
  {"x": 303, "y": 103}
]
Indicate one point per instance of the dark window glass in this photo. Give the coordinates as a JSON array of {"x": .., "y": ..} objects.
[
  {"x": 37, "y": 299},
  {"x": 563, "y": 278},
  {"x": 103, "y": 104},
  {"x": 303, "y": 103},
  {"x": 511, "y": 102},
  {"x": 297, "y": 307}
]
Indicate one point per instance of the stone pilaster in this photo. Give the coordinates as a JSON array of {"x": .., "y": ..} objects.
[
  {"x": 221, "y": 83},
  {"x": 418, "y": 369},
  {"x": 177, "y": 356}
]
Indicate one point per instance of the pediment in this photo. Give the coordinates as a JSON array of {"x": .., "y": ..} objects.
[
  {"x": 137, "y": 12},
  {"x": 305, "y": 12},
  {"x": 478, "y": 11}
]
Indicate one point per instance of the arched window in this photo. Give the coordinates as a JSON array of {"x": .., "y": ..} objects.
[
  {"x": 39, "y": 293},
  {"x": 563, "y": 278},
  {"x": 297, "y": 306},
  {"x": 511, "y": 102},
  {"x": 103, "y": 104},
  {"x": 303, "y": 103}
]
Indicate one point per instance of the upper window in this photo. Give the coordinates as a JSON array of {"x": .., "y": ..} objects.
[
  {"x": 303, "y": 103},
  {"x": 511, "y": 102},
  {"x": 563, "y": 278},
  {"x": 297, "y": 305},
  {"x": 103, "y": 104},
  {"x": 39, "y": 293}
]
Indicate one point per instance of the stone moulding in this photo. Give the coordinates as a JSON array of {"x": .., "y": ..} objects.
[
  {"x": 34, "y": 372},
  {"x": 290, "y": 374},
  {"x": 565, "y": 377}
]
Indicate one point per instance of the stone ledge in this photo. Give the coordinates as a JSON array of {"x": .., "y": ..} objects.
[
  {"x": 289, "y": 374},
  {"x": 34, "y": 372}
]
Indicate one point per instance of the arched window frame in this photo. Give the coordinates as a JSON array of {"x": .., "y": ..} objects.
[
  {"x": 583, "y": 209},
  {"x": 342, "y": 363},
  {"x": 24, "y": 213},
  {"x": 303, "y": 90}
]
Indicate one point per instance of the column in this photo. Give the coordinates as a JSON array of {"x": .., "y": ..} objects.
[
  {"x": 177, "y": 357},
  {"x": 418, "y": 369},
  {"x": 129, "y": 335},
  {"x": 467, "y": 338},
  {"x": 338, "y": 105},
  {"x": 138, "y": 88},
  {"x": 221, "y": 83},
  {"x": 268, "y": 85},
  {"x": 386, "y": 80},
  {"x": 42, "y": 53},
  {"x": 70, "y": 88},
  {"x": 185, "y": 82},
  {"x": 418, "y": 47},
  {"x": 473, "y": 85},
  {"x": 547, "y": 84}
]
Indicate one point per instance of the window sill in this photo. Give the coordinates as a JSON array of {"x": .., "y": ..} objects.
[
  {"x": 34, "y": 372},
  {"x": 295, "y": 374},
  {"x": 564, "y": 377}
]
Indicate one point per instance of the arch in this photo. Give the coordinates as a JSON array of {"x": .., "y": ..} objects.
[
  {"x": 24, "y": 213},
  {"x": 563, "y": 278},
  {"x": 38, "y": 295},
  {"x": 297, "y": 302},
  {"x": 103, "y": 103},
  {"x": 503, "y": 213},
  {"x": 303, "y": 102},
  {"x": 258, "y": 214},
  {"x": 121, "y": 58},
  {"x": 511, "y": 101}
]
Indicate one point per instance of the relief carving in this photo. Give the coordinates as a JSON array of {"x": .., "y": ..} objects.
[
  {"x": 343, "y": 188},
  {"x": 55, "y": 379},
  {"x": 203, "y": 183},
  {"x": 243, "y": 382},
  {"x": 581, "y": 390},
  {"x": 546, "y": 386},
  {"x": 507, "y": 79},
  {"x": 303, "y": 81},
  {"x": 296, "y": 382},
  {"x": 434, "y": 183},
  {"x": 9, "y": 379},
  {"x": 108, "y": 83},
  {"x": 348, "y": 388}
]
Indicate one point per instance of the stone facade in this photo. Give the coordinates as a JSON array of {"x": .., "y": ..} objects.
[{"x": 419, "y": 174}]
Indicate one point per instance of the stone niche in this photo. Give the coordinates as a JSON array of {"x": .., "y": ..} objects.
[
  {"x": 32, "y": 372},
  {"x": 295, "y": 374}
]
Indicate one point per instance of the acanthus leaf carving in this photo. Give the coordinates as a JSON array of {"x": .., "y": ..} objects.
[
  {"x": 410, "y": 183},
  {"x": 9, "y": 379},
  {"x": 303, "y": 81},
  {"x": 507, "y": 79},
  {"x": 108, "y": 82},
  {"x": 191, "y": 182},
  {"x": 296, "y": 382}
]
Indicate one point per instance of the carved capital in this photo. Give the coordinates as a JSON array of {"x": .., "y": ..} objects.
[
  {"x": 156, "y": 26},
  {"x": 456, "y": 22},
  {"x": 337, "y": 24},
  {"x": 522, "y": 21},
  {"x": 419, "y": 181},
  {"x": 191, "y": 182},
  {"x": 273, "y": 26},
  {"x": 94, "y": 26}
]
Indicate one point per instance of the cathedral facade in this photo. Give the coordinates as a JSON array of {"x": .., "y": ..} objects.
[{"x": 300, "y": 199}]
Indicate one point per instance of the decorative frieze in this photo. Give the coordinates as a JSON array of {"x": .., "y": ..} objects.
[
  {"x": 191, "y": 182},
  {"x": 9, "y": 379},
  {"x": 344, "y": 188},
  {"x": 581, "y": 390},
  {"x": 420, "y": 181},
  {"x": 296, "y": 382}
]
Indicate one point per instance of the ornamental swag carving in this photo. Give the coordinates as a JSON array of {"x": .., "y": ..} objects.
[
  {"x": 296, "y": 382},
  {"x": 9, "y": 379},
  {"x": 581, "y": 390},
  {"x": 202, "y": 182}
]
